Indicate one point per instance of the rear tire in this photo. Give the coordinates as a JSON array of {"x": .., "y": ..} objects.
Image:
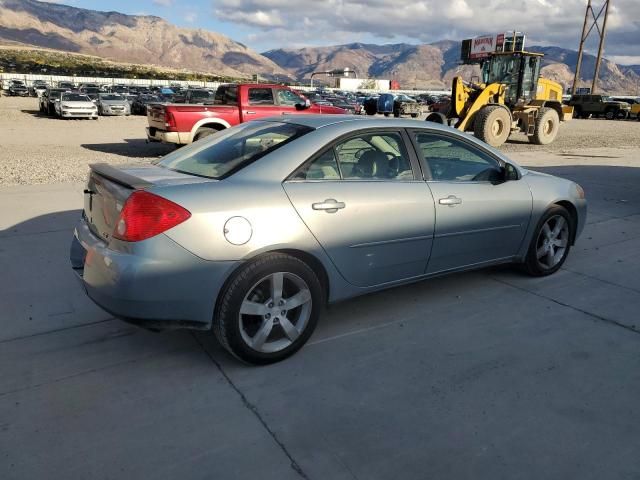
[
  {"x": 203, "y": 132},
  {"x": 546, "y": 127},
  {"x": 492, "y": 125},
  {"x": 610, "y": 114},
  {"x": 253, "y": 321},
  {"x": 548, "y": 251},
  {"x": 436, "y": 117}
]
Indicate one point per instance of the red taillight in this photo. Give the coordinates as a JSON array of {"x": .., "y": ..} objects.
[
  {"x": 146, "y": 215},
  {"x": 169, "y": 119}
]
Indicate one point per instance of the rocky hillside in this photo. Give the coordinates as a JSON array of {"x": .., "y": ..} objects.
[
  {"x": 433, "y": 66},
  {"x": 152, "y": 40},
  {"x": 127, "y": 38}
]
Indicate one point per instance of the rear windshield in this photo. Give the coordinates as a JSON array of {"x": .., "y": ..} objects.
[
  {"x": 226, "y": 152},
  {"x": 201, "y": 94}
]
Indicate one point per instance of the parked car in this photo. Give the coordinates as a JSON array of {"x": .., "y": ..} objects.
[
  {"x": 75, "y": 105},
  {"x": 252, "y": 230},
  {"x": 47, "y": 100},
  {"x": 585, "y": 106},
  {"x": 91, "y": 91},
  {"x": 405, "y": 105},
  {"x": 66, "y": 85},
  {"x": 113, "y": 104},
  {"x": 634, "y": 103},
  {"x": 17, "y": 88},
  {"x": 233, "y": 104},
  {"x": 37, "y": 88},
  {"x": 195, "y": 95},
  {"x": 139, "y": 104}
]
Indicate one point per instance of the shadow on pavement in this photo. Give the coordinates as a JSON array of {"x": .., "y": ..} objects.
[{"x": 133, "y": 147}]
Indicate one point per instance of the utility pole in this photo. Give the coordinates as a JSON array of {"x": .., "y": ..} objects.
[{"x": 585, "y": 35}]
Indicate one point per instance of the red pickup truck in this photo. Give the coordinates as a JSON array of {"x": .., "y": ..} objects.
[{"x": 232, "y": 104}]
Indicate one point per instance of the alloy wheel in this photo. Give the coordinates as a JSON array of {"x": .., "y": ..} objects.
[
  {"x": 275, "y": 312},
  {"x": 552, "y": 242}
]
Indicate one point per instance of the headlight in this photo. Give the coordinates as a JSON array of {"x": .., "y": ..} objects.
[{"x": 580, "y": 191}]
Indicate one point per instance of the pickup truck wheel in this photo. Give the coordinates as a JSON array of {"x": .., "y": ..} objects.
[
  {"x": 610, "y": 114},
  {"x": 203, "y": 132}
]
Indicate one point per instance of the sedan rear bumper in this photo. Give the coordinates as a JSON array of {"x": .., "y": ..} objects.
[{"x": 161, "y": 286}]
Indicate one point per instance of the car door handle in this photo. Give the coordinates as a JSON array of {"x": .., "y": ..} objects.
[
  {"x": 451, "y": 200},
  {"x": 249, "y": 113},
  {"x": 330, "y": 205}
]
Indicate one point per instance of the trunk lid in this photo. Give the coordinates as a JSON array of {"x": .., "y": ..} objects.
[{"x": 109, "y": 187}]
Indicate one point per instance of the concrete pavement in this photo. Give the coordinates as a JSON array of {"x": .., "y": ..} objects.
[{"x": 488, "y": 374}]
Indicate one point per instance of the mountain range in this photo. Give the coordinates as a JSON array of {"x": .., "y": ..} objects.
[{"x": 152, "y": 40}]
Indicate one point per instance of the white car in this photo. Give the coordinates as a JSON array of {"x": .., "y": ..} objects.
[{"x": 75, "y": 105}]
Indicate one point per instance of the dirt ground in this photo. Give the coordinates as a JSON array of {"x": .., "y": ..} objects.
[{"x": 37, "y": 149}]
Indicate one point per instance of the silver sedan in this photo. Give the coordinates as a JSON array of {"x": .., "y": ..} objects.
[{"x": 251, "y": 231}]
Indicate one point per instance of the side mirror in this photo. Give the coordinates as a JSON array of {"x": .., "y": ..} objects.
[
  {"x": 303, "y": 106},
  {"x": 509, "y": 172}
]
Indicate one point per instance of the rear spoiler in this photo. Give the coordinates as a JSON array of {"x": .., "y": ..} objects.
[{"x": 118, "y": 176}]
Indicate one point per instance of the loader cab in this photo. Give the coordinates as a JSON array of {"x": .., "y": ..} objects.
[{"x": 518, "y": 71}]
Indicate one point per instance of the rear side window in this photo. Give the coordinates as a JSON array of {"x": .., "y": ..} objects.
[
  {"x": 260, "y": 96},
  {"x": 226, "y": 95},
  {"x": 226, "y": 152}
]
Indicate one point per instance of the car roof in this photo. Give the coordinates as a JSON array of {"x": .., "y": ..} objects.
[{"x": 356, "y": 121}]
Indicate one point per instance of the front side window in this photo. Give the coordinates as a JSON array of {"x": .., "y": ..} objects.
[
  {"x": 287, "y": 97},
  {"x": 260, "y": 96},
  {"x": 230, "y": 150},
  {"x": 366, "y": 157},
  {"x": 451, "y": 160}
]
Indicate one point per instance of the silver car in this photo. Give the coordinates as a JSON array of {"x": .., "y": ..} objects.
[
  {"x": 113, "y": 104},
  {"x": 251, "y": 231}
]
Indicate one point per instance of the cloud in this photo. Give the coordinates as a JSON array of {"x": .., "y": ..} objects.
[
  {"x": 326, "y": 22},
  {"x": 162, "y": 3},
  {"x": 190, "y": 17}
]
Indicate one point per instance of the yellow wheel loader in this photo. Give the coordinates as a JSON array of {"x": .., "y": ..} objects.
[{"x": 511, "y": 97}]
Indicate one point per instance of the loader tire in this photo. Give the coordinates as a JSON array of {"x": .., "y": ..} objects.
[
  {"x": 547, "y": 126},
  {"x": 492, "y": 125}
]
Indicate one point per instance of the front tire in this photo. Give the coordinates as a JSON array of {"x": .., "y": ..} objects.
[
  {"x": 269, "y": 309},
  {"x": 610, "y": 114},
  {"x": 492, "y": 125},
  {"x": 551, "y": 242}
]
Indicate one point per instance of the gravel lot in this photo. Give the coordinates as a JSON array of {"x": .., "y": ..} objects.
[{"x": 40, "y": 150}]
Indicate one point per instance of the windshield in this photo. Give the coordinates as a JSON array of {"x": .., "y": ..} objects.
[
  {"x": 74, "y": 97},
  {"x": 229, "y": 150},
  {"x": 111, "y": 97}
]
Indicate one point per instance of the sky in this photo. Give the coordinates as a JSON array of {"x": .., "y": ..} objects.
[{"x": 268, "y": 24}]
